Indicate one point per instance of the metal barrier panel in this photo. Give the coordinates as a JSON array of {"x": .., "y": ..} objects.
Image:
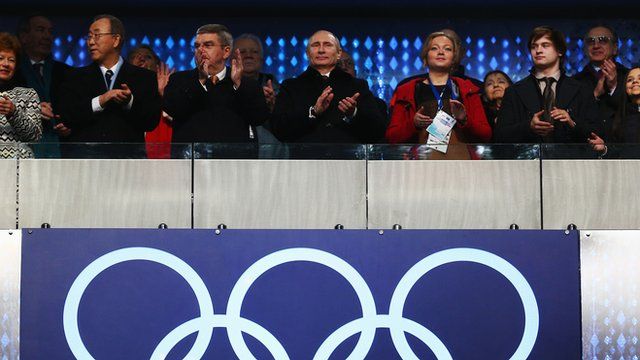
[
  {"x": 593, "y": 194},
  {"x": 10, "y": 243},
  {"x": 8, "y": 176},
  {"x": 610, "y": 292},
  {"x": 280, "y": 194},
  {"x": 105, "y": 193},
  {"x": 488, "y": 194}
]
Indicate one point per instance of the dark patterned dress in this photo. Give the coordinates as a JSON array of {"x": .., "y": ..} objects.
[{"x": 24, "y": 125}]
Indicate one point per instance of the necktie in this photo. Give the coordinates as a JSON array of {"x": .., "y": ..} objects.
[
  {"x": 107, "y": 78},
  {"x": 549, "y": 97},
  {"x": 38, "y": 68}
]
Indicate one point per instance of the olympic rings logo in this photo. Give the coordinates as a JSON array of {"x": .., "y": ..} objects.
[{"x": 236, "y": 325}]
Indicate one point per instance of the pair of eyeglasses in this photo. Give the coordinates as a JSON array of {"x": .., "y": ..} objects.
[
  {"x": 97, "y": 36},
  {"x": 208, "y": 45},
  {"x": 598, "y": 39}
]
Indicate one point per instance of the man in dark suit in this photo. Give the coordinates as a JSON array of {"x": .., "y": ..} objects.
[
  {"x": 38, "y": 70},
  {"x": 325, "y": 104},
  {"x": 547, "y": 106},
  {"x": 213, "y": 103},
  {"x": 603, "y": 75},
  {"x": 110, "y": 100}
]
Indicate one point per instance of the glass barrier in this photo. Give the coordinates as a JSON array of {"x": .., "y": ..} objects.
[
  {"x": 280, "y": 151},
  {"x": 453, "y": 152}
]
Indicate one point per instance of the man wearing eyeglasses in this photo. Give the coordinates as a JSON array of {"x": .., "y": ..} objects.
[
  {"x": 603, "y": 74},
  {"x": 213, "y": 103},
  {"x": 110, "y": 100}
]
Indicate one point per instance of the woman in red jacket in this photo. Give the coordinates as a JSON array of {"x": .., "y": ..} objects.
[{"x": 416, "y": 101}]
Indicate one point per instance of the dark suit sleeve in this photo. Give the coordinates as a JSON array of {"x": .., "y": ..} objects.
[
  {"x": 510, "y": 126},
  {"x": 183, "y": 97},
  {"x": 145, "y": 110},
  {"x": 589, "y": 119},
  {"x": 370, "y": 122},
  {"x": 250, "y": 103},
  {"x": 75, "y": 100},
  {"x": 290, "y": 118}
]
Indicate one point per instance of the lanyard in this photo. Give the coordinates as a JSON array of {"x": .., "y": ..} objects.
[{"x": 438, "y": 96}]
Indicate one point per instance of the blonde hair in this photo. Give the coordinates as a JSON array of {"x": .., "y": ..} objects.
[{"x": 457, "y": 53}]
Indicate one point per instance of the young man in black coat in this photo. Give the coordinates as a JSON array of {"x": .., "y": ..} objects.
[
  {"x": 325, "y": 104},
  {"x": 547, "y": 106},
  {"x": 110, "y": 100}
]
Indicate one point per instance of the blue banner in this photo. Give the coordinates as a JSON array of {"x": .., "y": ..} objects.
[{"x": 299, "y": 294}]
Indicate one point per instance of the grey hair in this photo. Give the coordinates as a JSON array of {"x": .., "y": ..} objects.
[
  {"x": 222, "y": 31},
  {"x": 252, "y": 37}
]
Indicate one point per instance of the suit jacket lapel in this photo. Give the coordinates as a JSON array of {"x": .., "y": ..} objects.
[
  {"x": 98, "y": 79},
  {"x": 530, "y": 95},
  {"x": 565, "y": 92}
]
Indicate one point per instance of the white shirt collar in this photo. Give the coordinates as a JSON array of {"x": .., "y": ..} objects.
[
  {"x": 115, "y": 68},
  {"x": 556, "y": 76},
  {"x": 222, "y": 74},
  {"x": 33, "y": 62}
]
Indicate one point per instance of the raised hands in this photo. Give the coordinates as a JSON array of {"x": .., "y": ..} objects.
[
  {"x": 118, "y": 96},
  {"x": 323, "y": 102},
  {"x": 348, "y": 105},
  {"x": 7, "y": 107},
  {"x": 163, "y": 73},
  {"x": 236, "y": 68},
  {"x": 540, "y": 127},
  {"x": 420, "y": 120},
  {"x": 269, "y": 95}
]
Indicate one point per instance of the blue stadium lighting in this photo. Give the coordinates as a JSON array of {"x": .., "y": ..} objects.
[
  {"x": 417, "y": 64},
  {"x": 393, "y": 43},
  {"x": 395, "y": 57},
  {"x": 393, "y": 63},
  {"x": 417, "y": 43},
  {"x": 368, "y": 43},
  {"x": 170, "y": 62}
]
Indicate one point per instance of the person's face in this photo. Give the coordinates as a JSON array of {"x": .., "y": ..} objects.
[
  {"x": 495, "y": 86},
  {"x": 38, "y": 40},
  {"x": 323, "y": 50},
  {"x": 251, "y": 56},
  {"x": 144, "y": 58},
  {"x": 599, "y": 45},
  {"x": 102, "y": 44},
  {"x": 7, "y": 65},
  {"x": 633, "y": 83},
  {"x": 346, "y": 63},
  {"x": 208, "y": 47},
  {"x": 544, "y": 53},
  {"x": 440, "y": 54}
]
